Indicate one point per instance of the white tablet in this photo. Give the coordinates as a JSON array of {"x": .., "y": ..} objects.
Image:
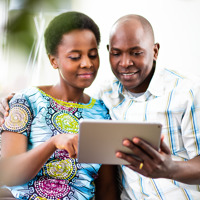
[{"x": 100, "y": 139}]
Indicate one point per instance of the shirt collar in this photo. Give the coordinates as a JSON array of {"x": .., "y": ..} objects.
[{"x": 157, "y": 86}]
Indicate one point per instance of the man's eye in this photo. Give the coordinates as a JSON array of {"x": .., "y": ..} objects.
[
  {"x": 114, "y": 53},
  {"x": 136, "y": 53}
]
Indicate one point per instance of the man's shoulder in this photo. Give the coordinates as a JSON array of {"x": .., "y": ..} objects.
[
  {"x": 167, "y": 80},
  {"x": 178, "y": 79},
  {"x": 105, "y": 87}
]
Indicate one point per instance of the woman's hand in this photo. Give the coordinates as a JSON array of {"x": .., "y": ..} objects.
[{"x": 68, "y": 142}]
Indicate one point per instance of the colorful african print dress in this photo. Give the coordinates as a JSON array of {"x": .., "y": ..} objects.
[{"x": 39, "y": 116}]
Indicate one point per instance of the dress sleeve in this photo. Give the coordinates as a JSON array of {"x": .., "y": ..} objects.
[{"x": 20, "y": 116}]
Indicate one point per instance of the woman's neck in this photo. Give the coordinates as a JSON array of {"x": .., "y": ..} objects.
[{"x": 65, "y": 94}]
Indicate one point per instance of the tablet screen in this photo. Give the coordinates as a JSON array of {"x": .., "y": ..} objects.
[{"x": 100, "y": 139}]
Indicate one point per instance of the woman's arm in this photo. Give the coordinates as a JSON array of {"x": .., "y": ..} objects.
[
  {"x": 107, "y": 184},
  {"x": 18, "y": 165}
]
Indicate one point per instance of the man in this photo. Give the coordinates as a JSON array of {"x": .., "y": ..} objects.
[{"x": 144, "y": 92}]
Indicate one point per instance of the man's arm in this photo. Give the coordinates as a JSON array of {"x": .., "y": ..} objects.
[{"x": 159, "y": 164}]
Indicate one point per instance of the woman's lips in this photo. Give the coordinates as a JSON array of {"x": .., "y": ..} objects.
[{"x": 86, "y": 75}]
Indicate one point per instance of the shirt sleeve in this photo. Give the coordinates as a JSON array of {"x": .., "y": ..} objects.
[
  {"x": 20, "y": 116},
  {"x": 191, "y": 124}
]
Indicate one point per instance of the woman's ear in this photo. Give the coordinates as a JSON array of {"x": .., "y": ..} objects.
[
  {"x": 156, "y": 50},
  {"x": 53, "y": 61}
]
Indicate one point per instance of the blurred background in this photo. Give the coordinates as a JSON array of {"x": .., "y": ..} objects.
[{"x": 23, "y": 60}]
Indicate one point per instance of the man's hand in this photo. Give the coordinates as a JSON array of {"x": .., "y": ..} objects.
[
  {"x": 4, "y": 107},
  {"x": 151, "y": 163}
]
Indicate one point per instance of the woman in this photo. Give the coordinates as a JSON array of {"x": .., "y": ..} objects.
[{"x": 39, "y": 139}]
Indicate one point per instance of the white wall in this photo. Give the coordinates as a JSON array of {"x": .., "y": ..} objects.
[{"x": 176, "y": 25}]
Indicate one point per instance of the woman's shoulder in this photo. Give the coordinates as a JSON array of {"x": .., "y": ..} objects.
[
  {"x": 27, "y": 93},
  {"x": 96, "y": 110},
  {"x": 31, "y": 97}
]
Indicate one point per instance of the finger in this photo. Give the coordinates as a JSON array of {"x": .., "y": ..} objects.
[
  {"x": 5, "y": 102},
  {"x": 2, "y": 109},
  {"x": 1, "y": 115},
  {"x": 2, "y": 121},
  {"x": 75, "y": 144},
  {"x": 10, "y": 96},
  {"x": 147, "y": 148},
  {"x": 138, "y": 152},
  {"x": 135, "y": 162},
  {"x": 164, "y": 148},
  {"x": 71, "y": 150}
]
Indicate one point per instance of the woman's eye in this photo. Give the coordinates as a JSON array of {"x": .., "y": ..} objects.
[
  {"x": 93, "y": 56},
  {"x": 75, "y": 58}
]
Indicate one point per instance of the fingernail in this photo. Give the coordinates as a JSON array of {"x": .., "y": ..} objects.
[
  {"x": 135, "y": 140},
  {"x": 119, "y": 155},
  {"x": 126, "y": 143}
]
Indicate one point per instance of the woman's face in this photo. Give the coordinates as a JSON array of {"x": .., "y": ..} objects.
[{"x": 77, "y": 59}]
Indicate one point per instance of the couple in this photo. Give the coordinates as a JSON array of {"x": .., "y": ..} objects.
[{"x": 44, "y": 119}]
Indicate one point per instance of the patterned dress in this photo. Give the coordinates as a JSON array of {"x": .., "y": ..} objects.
[{"x": 39, "y": 116}]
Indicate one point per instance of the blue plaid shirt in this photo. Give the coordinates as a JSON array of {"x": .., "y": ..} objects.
[{"x": 174, "y": 101}]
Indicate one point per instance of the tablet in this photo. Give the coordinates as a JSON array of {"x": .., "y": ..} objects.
[{"x": 100, "y": 139}]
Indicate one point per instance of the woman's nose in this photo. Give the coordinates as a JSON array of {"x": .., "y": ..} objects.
[{"x": 86, "y": 62}]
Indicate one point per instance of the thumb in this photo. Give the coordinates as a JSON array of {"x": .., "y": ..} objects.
[{"x": 164, "y": 147}]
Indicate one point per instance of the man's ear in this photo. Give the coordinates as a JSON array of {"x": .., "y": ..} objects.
[
  {"x": 107, "y": 47},
  {"x": 53, "y": 61},
  {"x": 156, "y": 50}
]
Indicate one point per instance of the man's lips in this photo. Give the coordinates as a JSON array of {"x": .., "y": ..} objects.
[
  {"x": 130, "y": 73},
  {"x": 127, "y": 75}
]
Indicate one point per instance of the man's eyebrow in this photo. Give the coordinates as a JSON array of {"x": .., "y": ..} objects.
[
  {"x": 135, "y": 48},
  {"x": 132, "y": 48},
  {"x": 114, "y": 48}
]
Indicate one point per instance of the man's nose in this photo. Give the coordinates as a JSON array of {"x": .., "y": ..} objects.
[{"x": 125, "y": 61}]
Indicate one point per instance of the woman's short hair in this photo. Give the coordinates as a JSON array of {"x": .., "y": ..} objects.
[{"x": 65, "y": 23}]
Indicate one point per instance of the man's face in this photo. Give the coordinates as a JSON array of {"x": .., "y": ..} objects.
[{"x": 131, "y": 54}]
